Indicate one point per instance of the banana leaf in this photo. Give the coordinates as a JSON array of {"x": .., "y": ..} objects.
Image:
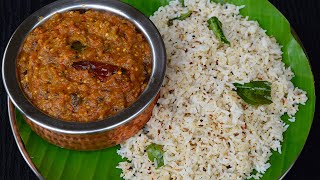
[{"x": 57, "y": 163}]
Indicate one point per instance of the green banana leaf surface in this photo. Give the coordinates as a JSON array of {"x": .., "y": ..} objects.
[{"x": 57, "y": 163}]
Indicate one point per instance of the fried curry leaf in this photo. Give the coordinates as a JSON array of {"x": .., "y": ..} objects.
[
  {"x": 77, "y": 46},
  {"x": 181, "y": 17},
  {"x": 155, "y": 154},
  {"x": 255, "y": 92},
  {"x": 215, "y": 25}
]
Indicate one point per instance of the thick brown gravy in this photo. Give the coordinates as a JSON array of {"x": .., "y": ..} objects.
[{"x": 84, "y": 66}]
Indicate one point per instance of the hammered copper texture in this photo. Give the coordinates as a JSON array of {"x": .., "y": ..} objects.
[{"x": 95, "y": 141}]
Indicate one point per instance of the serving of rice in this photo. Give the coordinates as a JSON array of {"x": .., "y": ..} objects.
[{"x": 206, "y": 129}]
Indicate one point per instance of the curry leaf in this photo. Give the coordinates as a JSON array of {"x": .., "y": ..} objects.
[
  {"x": 255, "y": 92},
  {"x": 215, "y": 25},
  {"x": 155, "y": 154},
  {"x": 181, "y": 17},
  {"x": 77, "y": 46}
]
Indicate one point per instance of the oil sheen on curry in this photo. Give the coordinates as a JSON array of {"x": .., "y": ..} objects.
[{"x": 84, "y": 66}]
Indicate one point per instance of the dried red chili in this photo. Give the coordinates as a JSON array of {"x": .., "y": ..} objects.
[{"x": 99, "y": 69}]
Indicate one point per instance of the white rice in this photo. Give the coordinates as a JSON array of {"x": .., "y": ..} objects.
[{"x": 207, "y": 131}]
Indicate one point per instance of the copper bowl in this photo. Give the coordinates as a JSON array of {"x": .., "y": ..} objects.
[
  {"x": 97, "y": 140},
  {"x": 92, "y": 135}
]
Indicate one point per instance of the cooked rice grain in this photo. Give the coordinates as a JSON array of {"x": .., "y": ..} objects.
[{"x": 207, "y": 131}]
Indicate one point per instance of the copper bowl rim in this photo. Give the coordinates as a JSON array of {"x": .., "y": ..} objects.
[{"x": 21, "y": 102}]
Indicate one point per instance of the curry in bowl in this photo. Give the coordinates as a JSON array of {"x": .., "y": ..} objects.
[{"x": 84, "y": 66}]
